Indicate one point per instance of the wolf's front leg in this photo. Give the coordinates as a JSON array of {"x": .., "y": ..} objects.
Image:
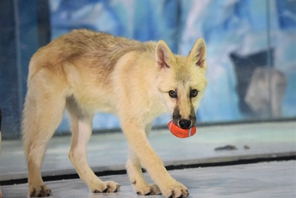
[
  {"x": 138, "y": 142},
  {"x": 134, "y": 169},
  {"x": 81, "y": 132}
]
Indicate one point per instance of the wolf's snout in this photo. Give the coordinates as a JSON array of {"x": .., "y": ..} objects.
[{"x": 184, "y": 123}]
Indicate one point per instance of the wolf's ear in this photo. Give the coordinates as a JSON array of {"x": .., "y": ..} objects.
[
  {"x": 198, "y": 54},
  {"x": 163, "y": 55}
]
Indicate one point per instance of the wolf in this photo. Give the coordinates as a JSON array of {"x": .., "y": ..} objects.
[{"x": 85, "y": 72}]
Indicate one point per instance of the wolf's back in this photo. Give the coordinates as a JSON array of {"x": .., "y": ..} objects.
[{"x": 86, "y": 48}]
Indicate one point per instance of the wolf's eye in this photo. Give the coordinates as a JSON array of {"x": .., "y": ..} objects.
[
  {"x": 172, "y": 94},
  {"x": 193, "y": 93}
]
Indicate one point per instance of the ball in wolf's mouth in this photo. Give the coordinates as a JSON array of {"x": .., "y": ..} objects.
[{"x": 179, "y": 132}]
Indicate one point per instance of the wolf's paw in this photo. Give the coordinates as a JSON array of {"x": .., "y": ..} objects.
[
  {"x": 39, "y": 191},
  {"x": 175, "y": 190},
  {"x": 151, "y": 189},
  {"x": 108, "y": 187}
]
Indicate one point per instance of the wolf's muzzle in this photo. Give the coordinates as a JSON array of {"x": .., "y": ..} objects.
[{"x": 185, "y": 124}]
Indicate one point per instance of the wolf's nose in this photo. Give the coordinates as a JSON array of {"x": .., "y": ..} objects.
[{"x": 184, "y": 124}]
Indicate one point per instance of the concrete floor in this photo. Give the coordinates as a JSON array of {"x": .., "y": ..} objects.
[
  {"x": 264, "y": 180},
  {"x": 108, "y": 152}
]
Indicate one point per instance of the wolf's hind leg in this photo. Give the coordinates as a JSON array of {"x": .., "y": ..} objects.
[
  {"x": 81, "y": 125},
  {"x": 42, "y": 114},
  {"x": 133, "y": 167}
]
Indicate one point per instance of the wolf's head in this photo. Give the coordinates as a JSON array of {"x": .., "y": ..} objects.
[{"x": 181, "y": 81}]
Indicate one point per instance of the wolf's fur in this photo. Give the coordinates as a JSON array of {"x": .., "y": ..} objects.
[{"x": 86, "y": 72}]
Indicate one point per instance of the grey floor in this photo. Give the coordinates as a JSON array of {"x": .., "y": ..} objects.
[
  {"x": 273, "y": 179},
  {"x": 108, "y": 152}
]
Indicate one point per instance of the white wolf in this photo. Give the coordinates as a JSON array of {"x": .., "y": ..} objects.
[{"x": 86, "y": 72}]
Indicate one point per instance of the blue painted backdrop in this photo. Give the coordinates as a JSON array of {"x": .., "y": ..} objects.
[{"x": 227, "y": 26}]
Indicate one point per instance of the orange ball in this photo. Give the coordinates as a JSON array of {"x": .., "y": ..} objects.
[{"x": 179, "y": 132}]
